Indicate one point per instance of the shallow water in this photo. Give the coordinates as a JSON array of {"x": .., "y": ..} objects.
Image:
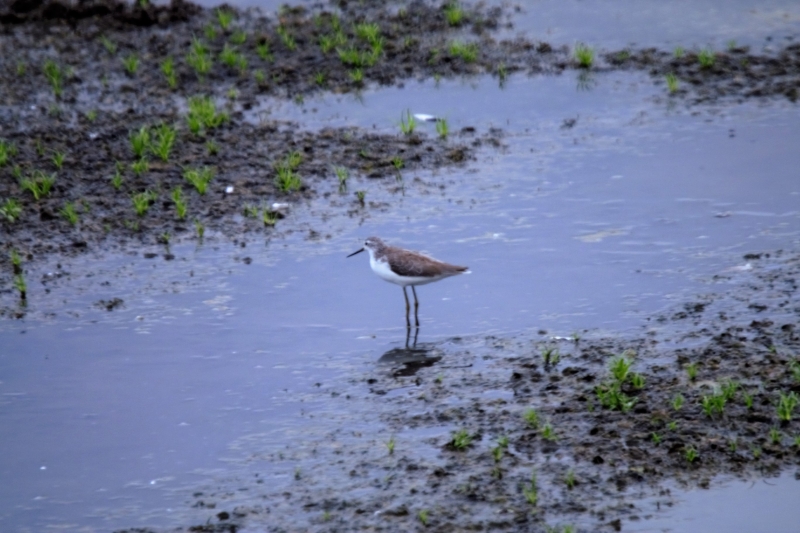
[{"x": 112, "y": 418}]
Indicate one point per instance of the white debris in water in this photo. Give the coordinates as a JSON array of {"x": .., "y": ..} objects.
[
  {"x": 42, "y": 468},
  {"x": 742, "y": 268},
  {"x": 229, "y": 189},
  {"x": 425, "y": 118},
  {"x": 93, "y": 135},
  {"x": 280, "y": 206},
  {"x": 600, "y": 235}
]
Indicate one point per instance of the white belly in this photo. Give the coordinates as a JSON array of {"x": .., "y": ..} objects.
[{"x": 381, "y": 268}]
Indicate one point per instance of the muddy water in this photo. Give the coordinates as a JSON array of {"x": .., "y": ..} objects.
[
  {"x": 663, "y": 24},
  {"x": 118, "y": 416},
  {"x": 608, "y": 204}
]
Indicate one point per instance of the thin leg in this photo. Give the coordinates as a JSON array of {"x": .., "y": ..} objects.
[
  {"x": 416, "y": 305},
  {"x": 408, "y": 307}
]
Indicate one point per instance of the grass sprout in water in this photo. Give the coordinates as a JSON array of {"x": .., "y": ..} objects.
[
  {"x": 38, "y": 183},
  {"x": 548, "y": 433},
  {"x": 442, "y": 129},
  {"x": 203, "y": 115},
  {"x": 341, "y": 175},
  {"x": 21, "y": 286},
  {"x": 7, "y": 151},
  {"x": 287, "y": 179},
  {"x": 224, "y": 17},
  {"x": 584, "y": 55},
  {"x": 140, "y": 141},
  {"x": 408, "y": 123},
  {"x": 466, "y": 51},
  {"x": 140, "y": 166},
  {"x": 141, "y": 202},
  {"x": 131, "y": 64},
  {"x": 786, "y": 405},
  {"x": 531, "y": 417},
  {"x": 454, "y": 14},
  {"x": 269, "y": 218},
  {"x": 168, "y": 69},
  {"x": 461, "y": 439},
  {"x": 199, "y": 58},
  {"x": 550, "y": 355},
  {"x": 691, "y": 371},
  {"x": 199, "y": 177},
  {"x": 691, "y": 453},
  {"x": 672, "y": 82},
  {"x": 109, "y": 45},
  {"x": 239, "y": 37},
  {"x": 180, "y": 203},
  {"x": 55, "y": 76},
  {"x": 356, "y": 75},
  {"x": 58, "y": 159},
  {"x": 531, "y": 491},
  {"x": 10, "y": 209},
  {"x": 706, "y": 58},
  {"x": 620, "y": 367},
  {"x": 69, "y": 213},
  {"x": 677, "y": 402},
  {"x": 163, "y": 139}
]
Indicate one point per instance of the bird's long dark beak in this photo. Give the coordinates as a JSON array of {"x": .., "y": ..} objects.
[{"x": 356, "y": 252}]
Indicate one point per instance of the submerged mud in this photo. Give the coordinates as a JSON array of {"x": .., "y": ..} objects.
[{"x": 516, "y": 434}]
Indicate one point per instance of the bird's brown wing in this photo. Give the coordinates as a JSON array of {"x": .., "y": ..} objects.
[{"x": 415, "y": 264}]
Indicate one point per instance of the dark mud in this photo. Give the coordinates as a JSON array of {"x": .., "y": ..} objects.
[{"x": 598, "y": 465}]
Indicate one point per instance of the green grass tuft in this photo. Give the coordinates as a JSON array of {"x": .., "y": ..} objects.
[
  {"x": 55, "y": 76},
  {"x": 180, "y": 203},
  {"x": 199, "y": 177},
  {"x": 461, "y": 439},
  {"x": 672, "y": 82},
  {"x": 584, "y": 55},
  {"x": 168, "y": 69},
  {"x": 10, "y": 209},
  {"x": 163, "y": 139},
  {"x": 408, "y": 123},
  {"x": 466, "y": 51},
  {"x": 454, "y": 14},
  {"x": 7, "y": 151},
  {"x": 141, "y": 202},
  {"x": 706, "y": 58},
  {"x": 786, "y": 405},
  {"x": 199, "y": 58},
  {"x": 38, "y": 183},
  {"x": 68, "y": 212},
  {"x": 131, "y": 64},
  {"x": 140, "y": 141},
  {"x": 203, "y": 115}
]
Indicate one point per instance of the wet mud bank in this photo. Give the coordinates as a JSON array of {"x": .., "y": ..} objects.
[
  {"x": 541, "y": 432},
  {"x": 113, "y": 114}
]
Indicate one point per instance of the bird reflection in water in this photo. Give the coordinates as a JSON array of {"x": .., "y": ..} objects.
[{"x": 408, "y": 360}]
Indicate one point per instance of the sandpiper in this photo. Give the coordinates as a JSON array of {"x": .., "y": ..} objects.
[{"x": 405, "y": 267}]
